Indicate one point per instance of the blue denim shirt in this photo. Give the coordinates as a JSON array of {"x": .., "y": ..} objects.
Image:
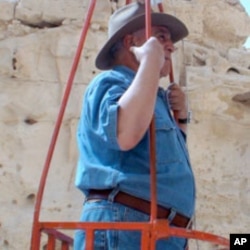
[{"x": 103, "y": 165}]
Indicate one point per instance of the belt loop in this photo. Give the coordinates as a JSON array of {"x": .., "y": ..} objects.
[
  {"x": 190, "y": 223},
  {"x": 171, "y": 215},
  {"x": 113, "y": 194}
]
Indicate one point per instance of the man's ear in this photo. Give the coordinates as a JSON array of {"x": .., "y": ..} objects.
[{"x": 128, "y": 41}]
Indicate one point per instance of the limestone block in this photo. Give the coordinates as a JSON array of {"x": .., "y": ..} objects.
[
  {"x": 224, "y": 140},
  {"x": 39, "y": 12},
  {"x": 5, "y": 60},
  {"x": 102, "y": 12},
  {"x": 48, "y": 55},
  {"x": 7, "y": 8},
  {"x": 191, "y": 13},
  {"x": 53, "y": 12},
  {"x": 29, "y": 13},
  {"x": 201, "y": 56},
  {"x": 221, "y": 30},
  {"x": 236, "y": 62},
  {"x": 239, "y": 57},
  {"x": 212, "y": 161}
]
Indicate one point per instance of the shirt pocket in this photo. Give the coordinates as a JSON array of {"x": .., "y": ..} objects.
[{"x": 167, "y": 144}]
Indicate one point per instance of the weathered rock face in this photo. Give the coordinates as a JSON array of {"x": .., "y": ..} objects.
[{"x": 38, "y": 40}]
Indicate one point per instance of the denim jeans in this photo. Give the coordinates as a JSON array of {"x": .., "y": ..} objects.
[{"x": 107, "y": 211}]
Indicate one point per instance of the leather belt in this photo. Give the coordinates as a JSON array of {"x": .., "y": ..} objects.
[{"x": 140, "y": 205}]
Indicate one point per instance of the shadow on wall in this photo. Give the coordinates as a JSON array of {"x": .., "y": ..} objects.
[{"x": 243, "y": 98}]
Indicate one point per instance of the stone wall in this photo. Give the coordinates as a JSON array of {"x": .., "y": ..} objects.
[{"x": 38, "y": 40}]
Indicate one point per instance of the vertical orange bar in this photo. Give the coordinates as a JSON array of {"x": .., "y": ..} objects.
[
  {"x": 171, "y": 74},
  {"x": 152, "y": 128},
  {"x": 35, "y": 238},
  {"x": 65, "y": 246},
  {"x": 148, "y": 18},
  {"x": 153, "y": 189},
  {"x": 51, "y": 242},
  {"x": 160, "y": 6},
  {"x": 89, "y": 239},
  {"x": 145, "y": 240},
  {"x": 171, "y": 79}
]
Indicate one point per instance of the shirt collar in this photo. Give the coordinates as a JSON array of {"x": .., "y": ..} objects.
[{"x": 124, "y": 69}]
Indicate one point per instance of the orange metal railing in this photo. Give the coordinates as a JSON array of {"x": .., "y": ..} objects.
[
  {"x": 53, "y": 236},
  {"x": 36, "y": 225},
  {"x": 151, "y": 231}
]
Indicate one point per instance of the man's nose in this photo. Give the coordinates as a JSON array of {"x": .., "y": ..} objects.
[{"x": 169, "y": 46}]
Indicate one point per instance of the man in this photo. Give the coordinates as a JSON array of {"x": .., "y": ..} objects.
[{"x": 113, "y": 136}]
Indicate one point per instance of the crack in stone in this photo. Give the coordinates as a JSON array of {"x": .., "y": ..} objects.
[
  {"x": 243, "y": 98},
  {"x": 42, "y": 24}
]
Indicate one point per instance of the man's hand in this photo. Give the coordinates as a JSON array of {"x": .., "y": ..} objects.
[
  {"x": 177, "y": 100},
  {"x": 178, "y": 104},
  {"x": 151, "y": 52}
]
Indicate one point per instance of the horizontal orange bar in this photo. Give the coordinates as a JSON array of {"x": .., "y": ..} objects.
[
  {"x": 160, "y": 229},
  {"x": 95, "y": 225}
]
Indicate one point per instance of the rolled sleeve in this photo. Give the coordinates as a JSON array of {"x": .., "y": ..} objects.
[
  {"x": 110, "y": 127},
  {"x": 101, "y": 110}
]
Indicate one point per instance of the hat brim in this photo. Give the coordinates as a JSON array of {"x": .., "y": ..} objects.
[{"x": 177, "y": 29}]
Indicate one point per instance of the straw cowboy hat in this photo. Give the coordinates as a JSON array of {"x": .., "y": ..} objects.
[{"x": 130, "y": 18}]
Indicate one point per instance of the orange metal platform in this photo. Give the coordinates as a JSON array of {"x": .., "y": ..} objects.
[{"x": 151, "y": 231}]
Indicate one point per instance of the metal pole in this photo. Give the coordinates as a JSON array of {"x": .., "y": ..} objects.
[{"x": 35, "y": 239}]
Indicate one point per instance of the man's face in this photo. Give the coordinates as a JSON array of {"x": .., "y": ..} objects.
[{"x": 164, "y": 37}]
